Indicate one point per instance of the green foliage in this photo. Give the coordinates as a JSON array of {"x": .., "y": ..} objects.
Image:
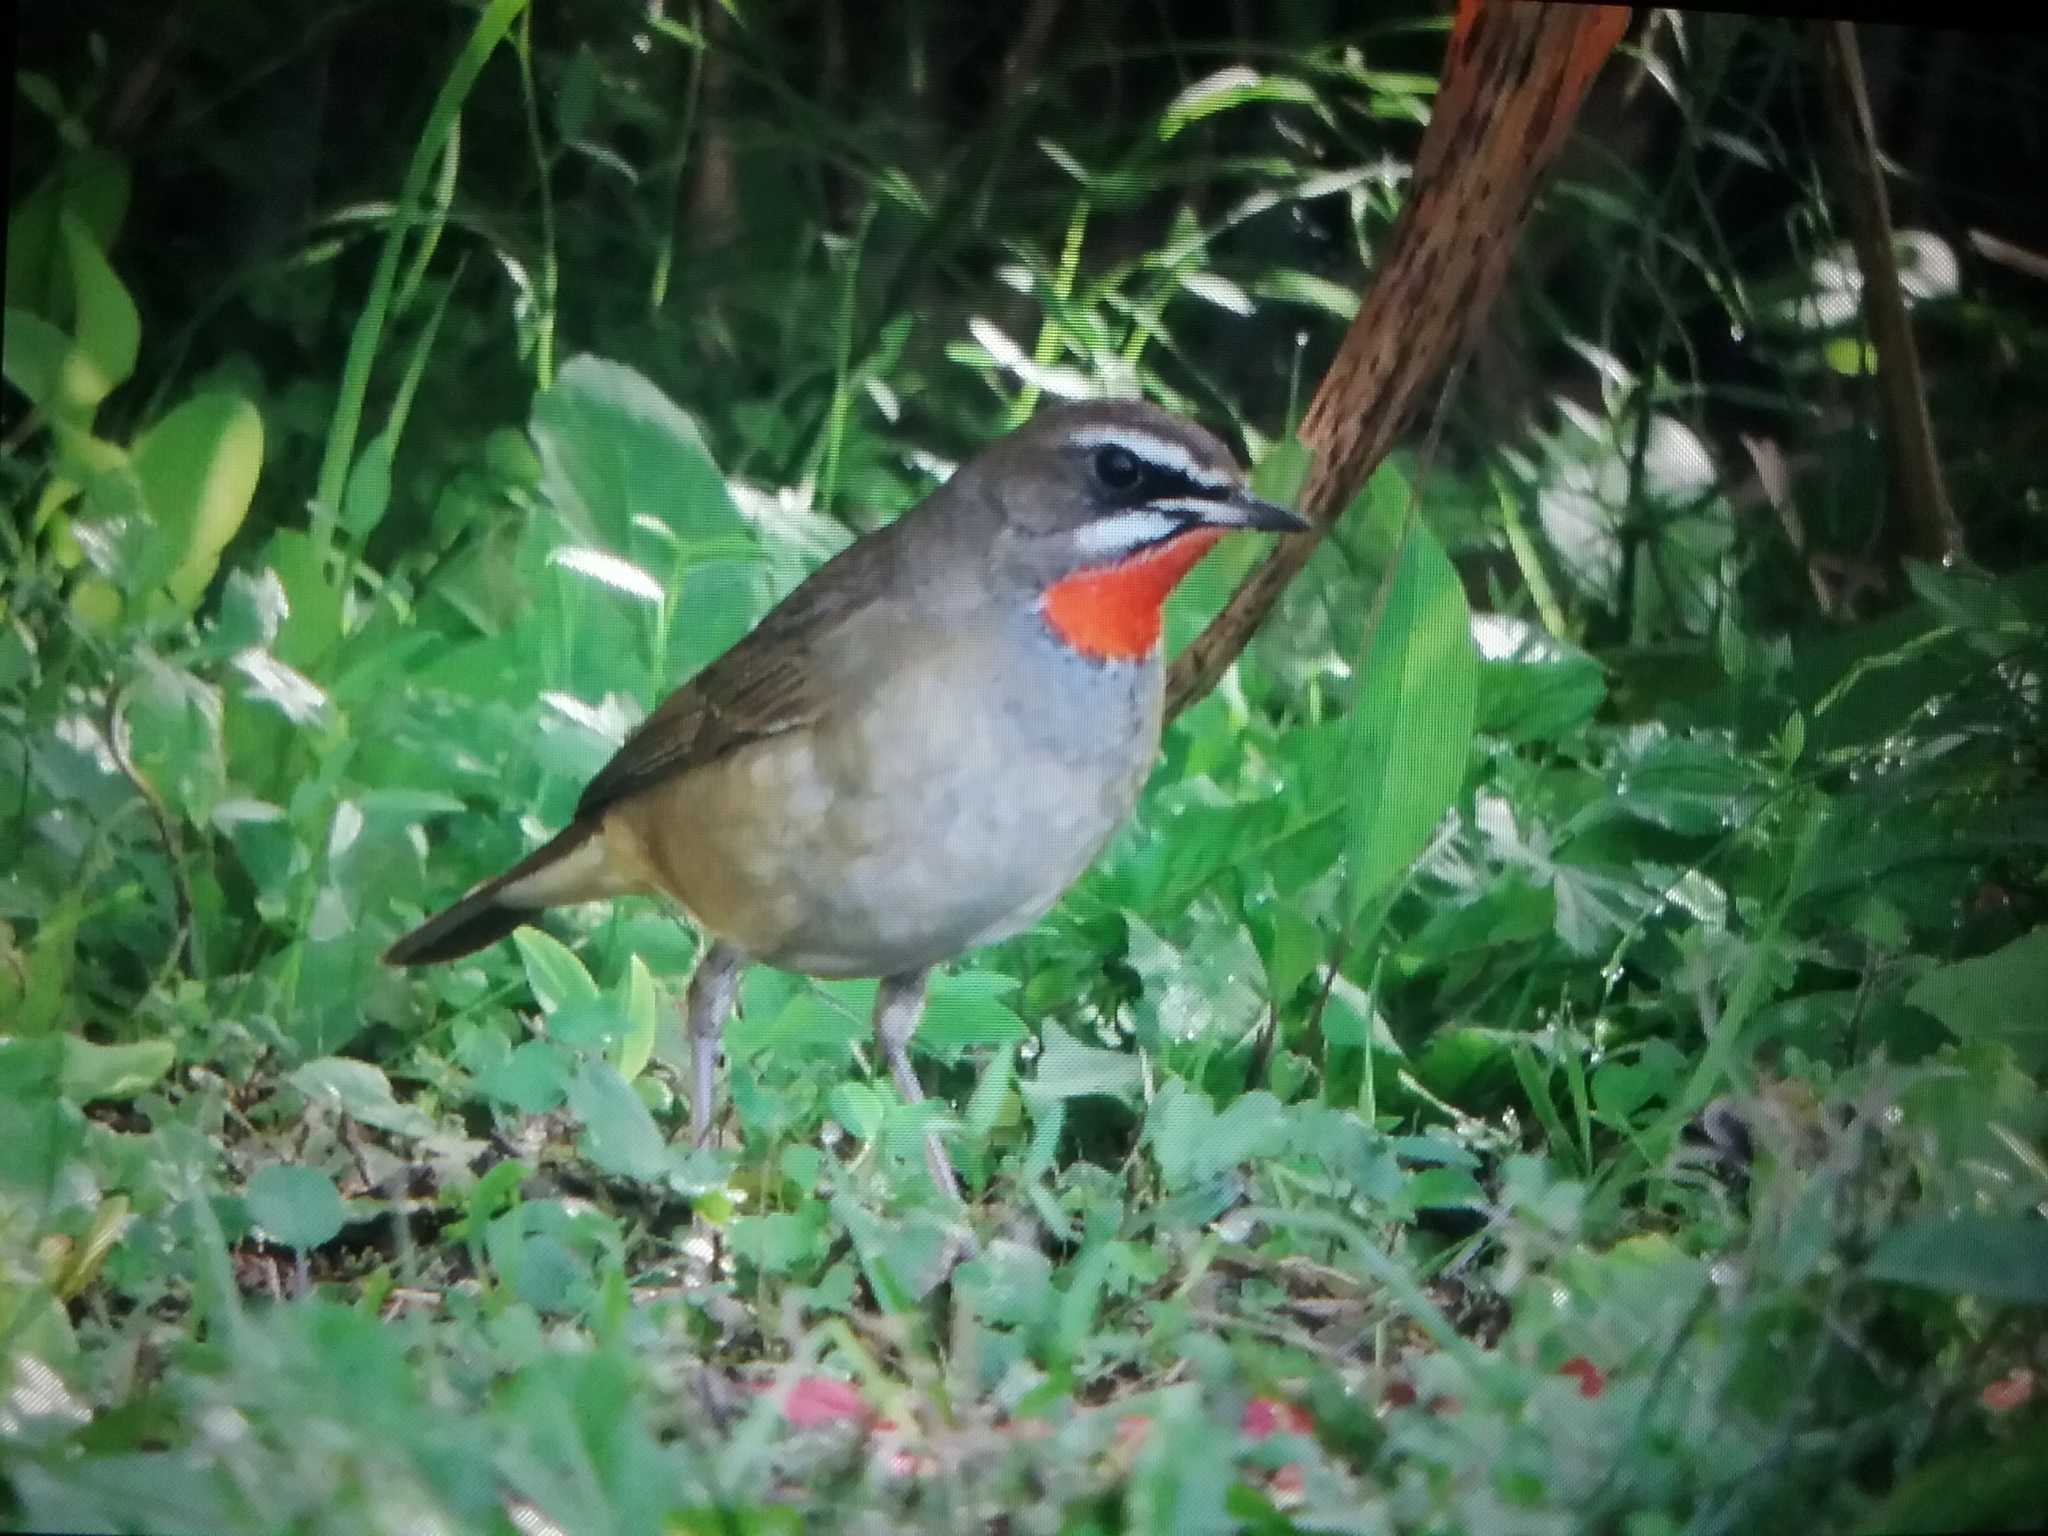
[{"x": 1336, "y": 1147}]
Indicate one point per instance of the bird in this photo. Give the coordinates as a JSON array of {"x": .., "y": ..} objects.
[{"x": 920, "y": 748}]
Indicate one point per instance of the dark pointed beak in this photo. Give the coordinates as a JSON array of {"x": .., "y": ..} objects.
[{"x": 1241, "y": 509}]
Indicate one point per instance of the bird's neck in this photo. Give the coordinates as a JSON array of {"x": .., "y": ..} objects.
[{"x": 1113, "y": 612}]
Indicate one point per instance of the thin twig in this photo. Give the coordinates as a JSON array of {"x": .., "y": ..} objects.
[
  {"x": 116, "y": 732},
  {"x": 1931, "y": 529}
]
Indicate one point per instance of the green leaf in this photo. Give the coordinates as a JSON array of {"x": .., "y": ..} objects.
[
  {"x": 779, "y": 1241},
  {"x": 589, "y": 1025},
  {"x": 533, "y": 1079},
  {"x": 1193, "y": 1142},
  {"x": 34, "y": 355},
  {"x": 113, "y": 1071},
  {"x": 1067, "y": 1069},
  {"x": 297, "y": 1206},
  {"x": 1532, "y": 687},
  {"x": 2004, "y": 1258},
  {"x": 2002, "y": 996},
  {"x": 554, "y": 973},
  {"x": 636, "y": 1045},
  {"x": 613, "y": 447},
  {"x": 619, "y": 1135},
  {"x": 858, "y": 1109},
  {"x": 197, "y": 468},
  {"x": 92, "y": 187},
  {"x": 362, "y": 1092},
  {"x": 964, "y": 1013},
  {"x": 105, "y": 324},
  {"x": 1411, "y": 721},
  {"x": 812, "y": 1022},
  {"x": 368, "y": 494}
]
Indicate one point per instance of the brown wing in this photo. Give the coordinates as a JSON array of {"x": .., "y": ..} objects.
[{"x": 764, "y": 685}]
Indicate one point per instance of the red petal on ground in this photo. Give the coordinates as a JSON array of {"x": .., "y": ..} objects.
[
  {"x": 816, "y": 1400},
  {"x": 2012, "y": 1390},
  {"x": 1591, "y": 1382},
  {"x": 1265, "y": 1416}
]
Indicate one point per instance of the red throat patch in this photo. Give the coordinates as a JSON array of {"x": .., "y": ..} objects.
[{"x": 1113, "y": 611}]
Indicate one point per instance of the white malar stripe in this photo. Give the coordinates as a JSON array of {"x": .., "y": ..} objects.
[
  {"x": 582, "y": 874},
  {"x": 1160, "y": 451},
  {"x": 1126, "y": 531},
  {"x": 1200, "y": 509}
]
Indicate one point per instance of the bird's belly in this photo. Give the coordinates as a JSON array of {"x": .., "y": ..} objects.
[{"x": 874, "y": 849}]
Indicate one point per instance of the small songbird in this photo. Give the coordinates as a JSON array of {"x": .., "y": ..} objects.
[{"x": 921, "y": 747}]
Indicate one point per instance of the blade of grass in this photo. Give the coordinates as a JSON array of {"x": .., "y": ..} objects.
[{"x": 339, "y": 455}]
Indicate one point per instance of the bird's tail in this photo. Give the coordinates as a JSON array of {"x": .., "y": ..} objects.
[{"x": 569, "y": 867}]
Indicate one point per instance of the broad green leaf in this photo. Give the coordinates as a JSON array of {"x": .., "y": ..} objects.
[
  {"x": 113, "y": 1071},
  {"x": 105, "y": 324},
  {"x": 858, "y": 1109},
  {"x": 964, "y": 1012},
  {"x": 779, "y": 1241},
  {"x": 1067, "y": 1069},
  {"x": 619, "y": 1135},
  {"x": 1411, "y": 719},
  {"x": 629, "y": 479},
  {"x": 812, "y": 1022},
  {"x": 368, "y": 495},
  {"x": 2004, "y": 1258},
  {"x": 1193, "y": 1142},
  {"x": 34, "y": 355},
  {"x": 311, "y": 619},
  {"x": 636, "y": 1046},
  {"x": 613, "y": 447},
  {"x": 533, "y": 1079},
  {"x": 2002, "y": 996},
  {"x": 1532, "y": 687},
  {"x": 552, "y": 970},
  {"x": 197, "y": 468},
  {"x": 588, "y": 1025},
  {"x": 297, "y": 1206},
  {"x": 362, "y": 1092}
]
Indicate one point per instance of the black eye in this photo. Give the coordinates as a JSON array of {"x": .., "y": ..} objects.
[{"x": 1118, "y": 468}]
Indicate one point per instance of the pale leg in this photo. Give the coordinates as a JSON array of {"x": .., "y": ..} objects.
[
  {"x": 899, "y": 1004},
  {"x": 710, "y": 999}
]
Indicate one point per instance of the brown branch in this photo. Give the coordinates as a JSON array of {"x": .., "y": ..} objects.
[
  {"x": 1932, "y": 532},
  {"x": 1512, "y": 85}
]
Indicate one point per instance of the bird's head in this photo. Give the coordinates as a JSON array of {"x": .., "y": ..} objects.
[{"x": 1102, "y": 508}]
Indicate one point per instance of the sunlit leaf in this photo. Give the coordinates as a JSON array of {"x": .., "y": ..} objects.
[
  {"x": 113, "y": 1071},
  {"x": 552, "y": 970},
  {"x": 1411, "y": 721},
  {"x": 198, "y": 468},
  {"x": 107, "y": 329}
]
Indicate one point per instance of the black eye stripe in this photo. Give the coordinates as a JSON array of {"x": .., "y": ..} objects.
[{"x": 1132, "y": 478}]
